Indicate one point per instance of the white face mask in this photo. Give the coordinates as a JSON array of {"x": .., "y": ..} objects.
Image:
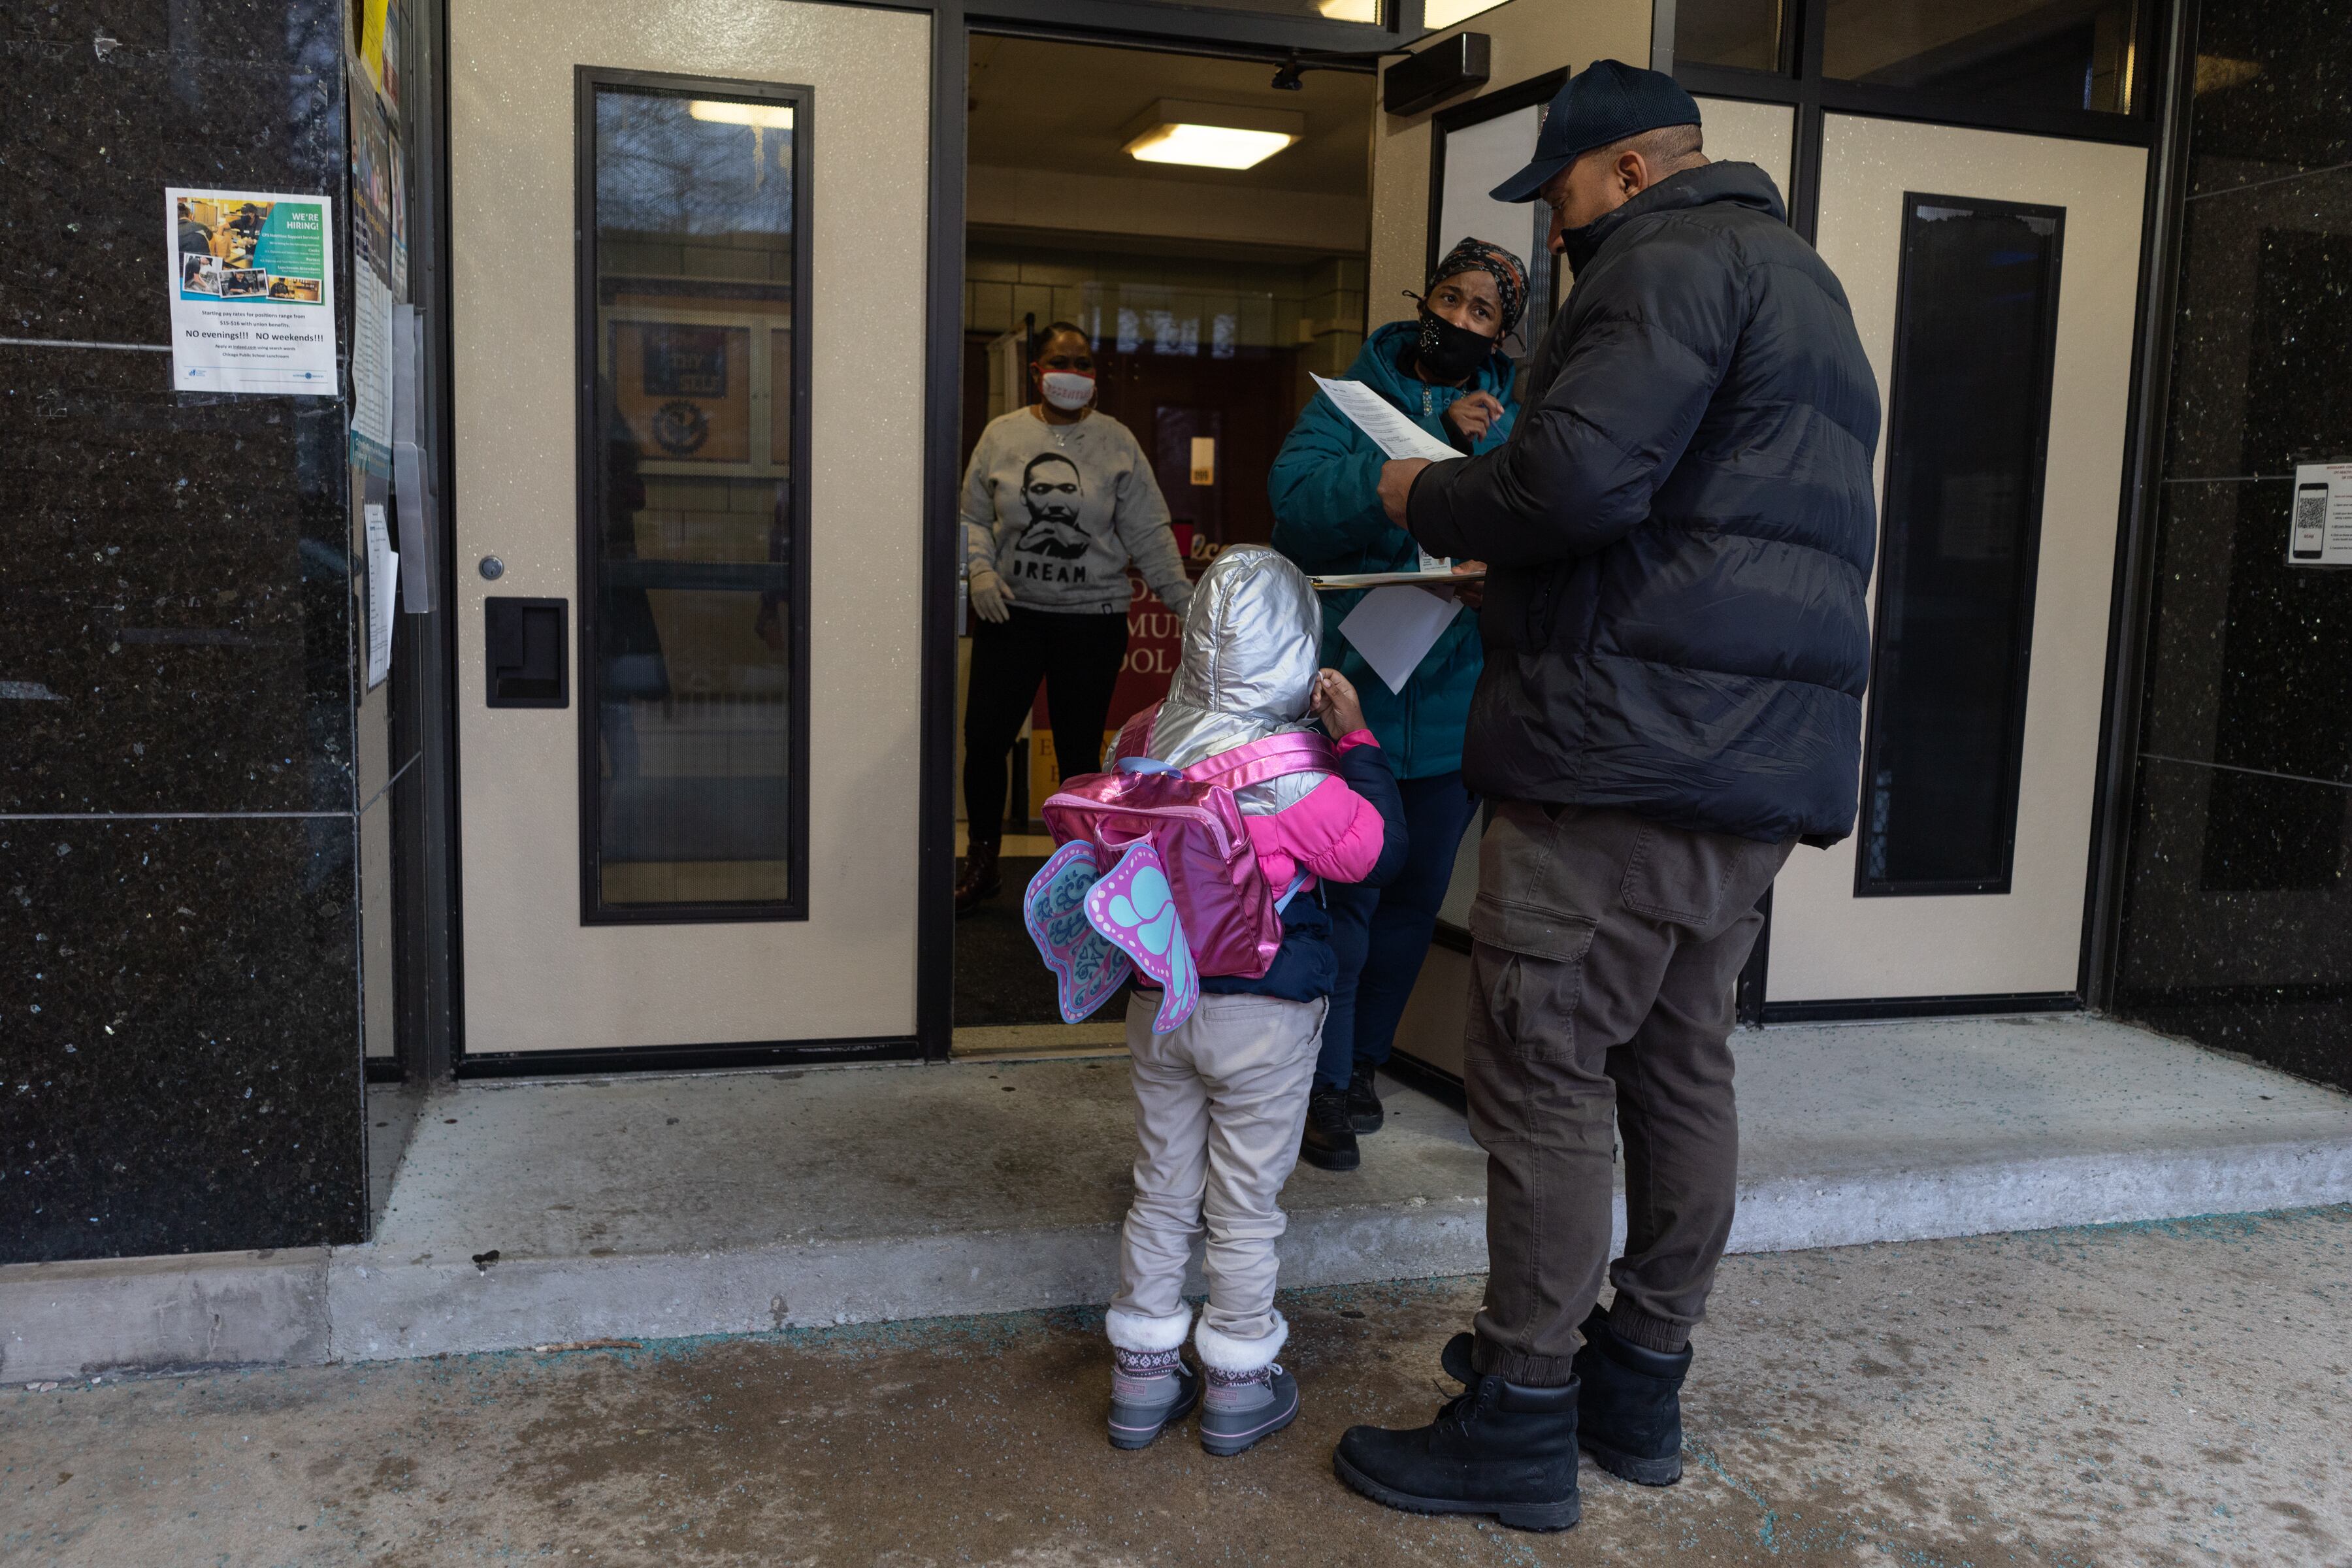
[{"x": 1067, "y": 390}]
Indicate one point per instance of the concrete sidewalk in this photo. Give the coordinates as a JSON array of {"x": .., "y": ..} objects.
[
  {"x": 527, "y": 1213},
  {"x": 2138, "y": 1397}
]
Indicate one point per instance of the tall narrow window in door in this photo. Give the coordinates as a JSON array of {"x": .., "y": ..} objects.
[
  {"x": 1967, "y": 435},
  {"x": 693, "y": 473}
]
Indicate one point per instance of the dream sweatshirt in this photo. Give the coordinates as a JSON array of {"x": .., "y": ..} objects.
[{"x": 1058, "y": 510}]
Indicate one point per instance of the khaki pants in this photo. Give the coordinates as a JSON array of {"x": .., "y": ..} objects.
[
  {"x": 1219, "y": 1106},
  {"x": 1605, "y": 950}
]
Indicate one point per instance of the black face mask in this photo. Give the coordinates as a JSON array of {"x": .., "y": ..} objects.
[{"x": 1447, "y": 352}]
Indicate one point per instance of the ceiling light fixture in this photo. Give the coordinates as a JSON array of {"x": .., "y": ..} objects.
[
  {"x": 765, "y": 116},
  {"x": 1210, "y": 135},
  {"x": 1437, "y": 15}
]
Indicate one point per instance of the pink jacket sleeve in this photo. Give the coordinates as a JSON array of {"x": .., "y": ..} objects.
[{"x": 1332, "y": 832}]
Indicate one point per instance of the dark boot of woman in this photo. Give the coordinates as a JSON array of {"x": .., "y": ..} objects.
[{"x": 980, "y": 880}]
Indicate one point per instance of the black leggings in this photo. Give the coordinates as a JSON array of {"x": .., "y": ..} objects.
[{"x": 1077, "y": 657}]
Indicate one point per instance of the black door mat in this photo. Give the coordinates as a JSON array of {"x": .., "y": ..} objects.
[{"x": 999, "y": 978}]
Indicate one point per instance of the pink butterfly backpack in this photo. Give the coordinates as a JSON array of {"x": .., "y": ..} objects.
[{"x": 1156, "y": 868}]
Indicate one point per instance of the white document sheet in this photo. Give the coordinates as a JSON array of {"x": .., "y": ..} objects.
[
  {"x": 1376, "y": 416},
  {"x": 383, "y": 575},
  {"x": 1394, "y": 628}
]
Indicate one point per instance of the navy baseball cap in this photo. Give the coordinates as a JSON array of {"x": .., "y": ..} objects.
[{"x": 1606, "y": 102}]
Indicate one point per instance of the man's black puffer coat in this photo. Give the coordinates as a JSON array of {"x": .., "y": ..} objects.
[{"x": 1679, "y": 533}]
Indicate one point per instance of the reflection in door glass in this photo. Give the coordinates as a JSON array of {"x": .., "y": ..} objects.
[
  {"x": 1748, "y": 34},
  {"x": 692, "y": 614},
  {"x": 1967, "y": 432},
  {"x": 2070, "y": 56}
]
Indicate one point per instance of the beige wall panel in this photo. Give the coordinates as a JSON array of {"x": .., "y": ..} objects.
[
  {"x": 1530, "y": 38},
  {"x": 1827, "y": 943},
  {"x": 1437, "y": 1014},
  {"x": 1764, "y": 134},
  {"x": 535, "y": 978}
]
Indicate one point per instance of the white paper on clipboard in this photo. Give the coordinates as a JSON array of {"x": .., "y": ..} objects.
[
  {"x": 1376, "y": 416},
  {"x": 1394, "y": 628}
]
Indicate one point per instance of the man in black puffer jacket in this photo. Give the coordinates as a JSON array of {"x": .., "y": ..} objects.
[{"x": 1679, "y": 536}]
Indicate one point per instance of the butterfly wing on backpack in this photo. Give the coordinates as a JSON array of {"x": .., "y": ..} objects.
[
  {"x": 1086, "y": 967},
  {"x": 1133, "y": 907}
]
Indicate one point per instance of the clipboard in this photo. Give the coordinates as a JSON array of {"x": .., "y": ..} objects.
[{"x": 1341, "y": 583}]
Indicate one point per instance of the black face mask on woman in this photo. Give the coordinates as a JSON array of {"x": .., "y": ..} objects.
[{"x": 1447, "y": 352}]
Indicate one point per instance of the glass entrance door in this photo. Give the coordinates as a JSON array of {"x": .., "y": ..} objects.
[
  {"x": 689, "y": 312},
  {"x": 1994, "y": 277}
]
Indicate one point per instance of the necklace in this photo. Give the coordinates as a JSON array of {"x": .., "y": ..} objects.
[{"x": 1060, "y": 432}]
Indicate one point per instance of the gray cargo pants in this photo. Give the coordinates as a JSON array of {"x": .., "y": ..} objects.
[{"x": 1604, "y": 951}]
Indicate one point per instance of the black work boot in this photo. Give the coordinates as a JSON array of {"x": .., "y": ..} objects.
[
  {"x": 980, "y": 881},
  {"x": 1329, "y": 1141},
  {"x": 1630, "y": 1415},
  {"x": 1498, "y": 1448},
  {"x": 1364, "y": 1112}
]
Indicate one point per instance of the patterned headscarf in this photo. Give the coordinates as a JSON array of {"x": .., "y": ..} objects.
[{"x": 1477, "y": 256}]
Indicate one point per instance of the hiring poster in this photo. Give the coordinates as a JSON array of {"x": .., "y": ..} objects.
[{"x": 252, "y": 293}]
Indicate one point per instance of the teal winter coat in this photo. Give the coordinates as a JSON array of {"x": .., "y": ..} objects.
[{"x": 1324, "y": 487}]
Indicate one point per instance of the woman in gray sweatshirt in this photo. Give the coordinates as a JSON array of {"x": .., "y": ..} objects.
[{"x": 1058, "y": 500}]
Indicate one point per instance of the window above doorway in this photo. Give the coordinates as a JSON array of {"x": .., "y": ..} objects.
[{"x": 1973, "y": 60}]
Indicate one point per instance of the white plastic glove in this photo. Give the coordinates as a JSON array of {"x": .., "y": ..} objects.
[{"x": 991, "y": 595}]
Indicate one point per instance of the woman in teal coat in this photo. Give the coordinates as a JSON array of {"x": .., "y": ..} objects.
[{"x": 1446, "y": 371}]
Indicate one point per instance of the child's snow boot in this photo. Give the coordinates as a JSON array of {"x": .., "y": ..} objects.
[
  {"x": 1249, "y": 1397},
  {"x": 1151, "y": 1387}
]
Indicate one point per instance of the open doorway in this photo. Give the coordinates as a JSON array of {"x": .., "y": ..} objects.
[{"x": 1203, "y": 295}]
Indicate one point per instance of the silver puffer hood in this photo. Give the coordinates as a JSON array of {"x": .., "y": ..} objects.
[{"x": 1252, "y": 637}]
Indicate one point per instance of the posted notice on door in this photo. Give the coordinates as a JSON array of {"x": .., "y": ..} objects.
[{"x": 252, "y": 291}]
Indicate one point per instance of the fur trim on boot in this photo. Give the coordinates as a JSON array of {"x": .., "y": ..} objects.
[
  {"x": 1134, "y": 1331},
  {"x": 1223, "y": 1352}
]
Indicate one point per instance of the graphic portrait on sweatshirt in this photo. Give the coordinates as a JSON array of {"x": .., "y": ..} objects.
[{"x": 1051, "y": 491}]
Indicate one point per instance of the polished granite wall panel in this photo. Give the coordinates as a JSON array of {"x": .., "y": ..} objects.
[
  {"x": 2196, "y": 526},
  {"x": 2237, "y": 918},
  {"x": 2274, "y": 90},
  {"x": 176, "y": 581},
  {"x": 176, "y": 592},
  {"x": 105, "y": 105},
  {"x": 177, "y": 638},
  {"x": 181, "y": 1071},
  {"x": 2284, "y": 712},
  {"x": 2207, "y": 904},
  {"x": 2182, "y": 933},
  {"x": 2265, "y": 316}
]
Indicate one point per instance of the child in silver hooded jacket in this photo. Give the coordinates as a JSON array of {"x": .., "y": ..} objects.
[{"x": 1222, "y": 1098}]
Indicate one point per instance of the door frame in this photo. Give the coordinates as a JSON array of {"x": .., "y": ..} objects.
[
  {"x": 429, "y": 966},
  {"x": 1333, "y": 45}
]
